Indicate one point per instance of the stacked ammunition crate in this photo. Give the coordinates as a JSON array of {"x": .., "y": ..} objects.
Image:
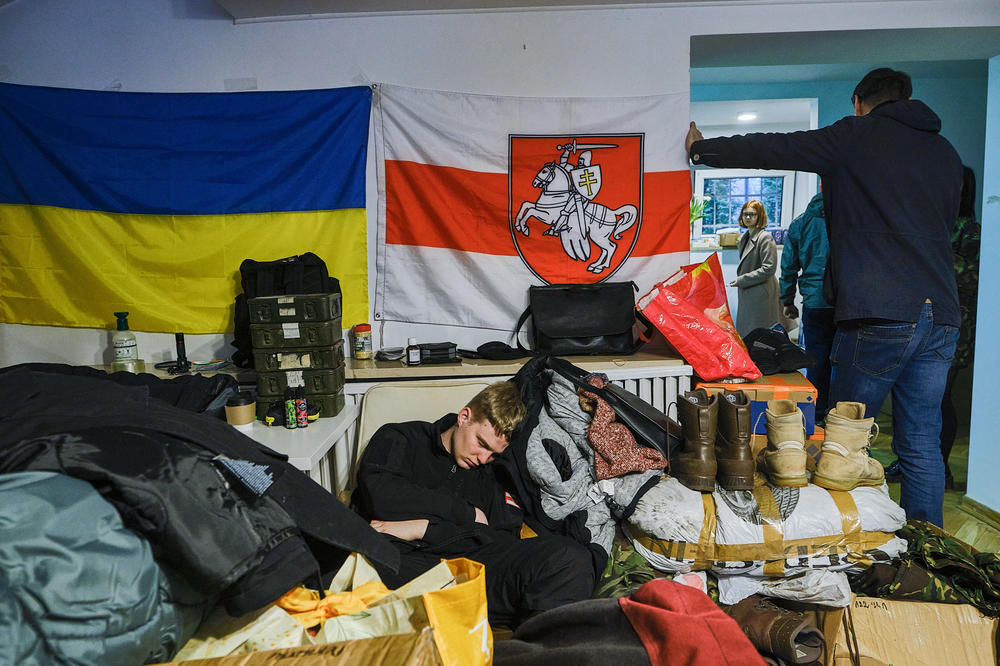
[{"x": 298, "y": 341}]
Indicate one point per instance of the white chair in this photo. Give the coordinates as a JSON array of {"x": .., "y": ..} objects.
[{"x": 396, "y": 402}]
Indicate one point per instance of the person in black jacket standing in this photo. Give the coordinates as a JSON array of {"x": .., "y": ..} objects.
[
  {"x": 430, "y": 488},
  {"x": 891, "y": 186}
]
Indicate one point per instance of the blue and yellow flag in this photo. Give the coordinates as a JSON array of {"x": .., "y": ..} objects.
[{"x": 148, "y": 202}]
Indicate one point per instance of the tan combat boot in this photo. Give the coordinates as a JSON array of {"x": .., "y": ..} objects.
[
  {"x": 732, "y": 442},
  {"x": 844, "y": 463},
  {"x": 785, "y": 455},
  {"x": 694, "y": 463}
]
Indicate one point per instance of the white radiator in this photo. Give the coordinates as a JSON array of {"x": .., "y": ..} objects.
[
  {"x": 657, "y": 386},
  {"x": 660, "y": 391}
]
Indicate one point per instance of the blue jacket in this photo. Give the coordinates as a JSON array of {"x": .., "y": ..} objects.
[
  {"x": 805, "y": 251},
  {"x": 891, "y": 189}
]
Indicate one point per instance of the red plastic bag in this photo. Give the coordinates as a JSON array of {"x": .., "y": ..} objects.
[{"x": 691, "y": 310}]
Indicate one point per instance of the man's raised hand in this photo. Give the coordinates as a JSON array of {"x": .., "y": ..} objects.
[{"x": 694, "y": 134}]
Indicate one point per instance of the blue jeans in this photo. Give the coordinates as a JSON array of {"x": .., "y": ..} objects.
[
  {"x": 911, "y": 360},
  {"x": 818, "y": 328}
]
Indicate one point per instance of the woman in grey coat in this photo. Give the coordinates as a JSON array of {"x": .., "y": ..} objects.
[{"x": 756, "y": 273}]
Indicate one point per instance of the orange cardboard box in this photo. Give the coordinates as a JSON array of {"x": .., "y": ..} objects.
[{"x": 784, "y": 386}]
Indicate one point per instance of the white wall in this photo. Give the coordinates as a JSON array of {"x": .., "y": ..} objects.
[
  {"x": 984, "y": 430},
  {"x": 191, "y": 45}
]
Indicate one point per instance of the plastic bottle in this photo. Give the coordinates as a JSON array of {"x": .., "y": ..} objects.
[
  {"x": 412, "y": 352},
  {"x": 362, "y": 341},
  {"x": 126, "y": 351},
  {"x": 291, "y": 417},
  {"x": 301, "y": 408}
]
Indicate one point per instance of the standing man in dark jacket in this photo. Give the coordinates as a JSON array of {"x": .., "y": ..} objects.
[
  {"x": 429, "y": 487},
  {"x": 803, "y": 262},
  {"x": 891, "y": 187}
]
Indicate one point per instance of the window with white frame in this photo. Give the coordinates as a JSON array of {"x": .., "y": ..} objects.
[{"x": 721, "y": 194}]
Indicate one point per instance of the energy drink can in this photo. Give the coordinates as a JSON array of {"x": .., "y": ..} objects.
[
  {"x": 291, "y": 420},
  {"x": 301, "y": 409}
]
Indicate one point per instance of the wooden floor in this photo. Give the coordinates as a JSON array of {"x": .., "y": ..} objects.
[{"x": 957, "y": 521}]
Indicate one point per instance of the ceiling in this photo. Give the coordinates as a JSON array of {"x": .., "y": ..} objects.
[
  {"x": 277, "y": 10},
  {"x": 833, "y": 47},
  {"x": 830, "y": 55},
  {"x": 770, "y": 115},
  {"x": 840, "y": 54}
]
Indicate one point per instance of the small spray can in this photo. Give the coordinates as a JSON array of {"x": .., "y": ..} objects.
[
  {"x": 301, "y": 409},
  {"x": 290, "y": 414}
]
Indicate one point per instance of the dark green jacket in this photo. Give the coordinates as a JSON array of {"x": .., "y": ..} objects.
[{"x": 803, "y": 258}]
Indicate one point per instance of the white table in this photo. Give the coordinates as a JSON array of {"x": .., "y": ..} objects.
[{"x": 313, "y": 449}]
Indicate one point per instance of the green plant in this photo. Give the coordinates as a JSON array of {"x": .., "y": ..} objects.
[{"x": 698, "y": 202}]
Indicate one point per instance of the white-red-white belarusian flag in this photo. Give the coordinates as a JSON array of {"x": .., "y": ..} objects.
[{"x": 482, "y": 196}]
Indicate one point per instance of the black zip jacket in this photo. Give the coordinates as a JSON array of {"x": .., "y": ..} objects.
[
  {"x": 891, "y": 186},
  {"x": 169, "y": 472},
  {"x": 406, "y": 473}
]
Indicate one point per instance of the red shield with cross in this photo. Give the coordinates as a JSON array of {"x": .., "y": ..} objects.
[{"x": 575, "y": 203}]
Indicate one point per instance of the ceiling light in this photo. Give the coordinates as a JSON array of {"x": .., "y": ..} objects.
[{"x": 746, "y": 116}]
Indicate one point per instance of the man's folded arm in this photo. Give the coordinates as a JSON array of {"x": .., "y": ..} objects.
[{"x": 389, "y": 491}]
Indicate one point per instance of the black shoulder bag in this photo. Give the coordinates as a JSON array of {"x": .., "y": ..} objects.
[{"x": 570, "y": 319}]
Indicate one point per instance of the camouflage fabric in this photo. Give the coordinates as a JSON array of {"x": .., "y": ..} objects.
[
  {"x": 625, "y": 572},
  {"x": 713, "y": 588},
  {"x": 935, "y": 568},
  {"x": 965, "y": 251}
]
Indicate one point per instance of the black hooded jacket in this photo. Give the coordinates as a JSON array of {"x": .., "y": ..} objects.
[
  {"x": 227, "y": 514},
  {"x": 891, "y": 187}
]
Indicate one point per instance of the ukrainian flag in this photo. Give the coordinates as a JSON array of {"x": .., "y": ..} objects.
[{"x": 148, "y": 202}]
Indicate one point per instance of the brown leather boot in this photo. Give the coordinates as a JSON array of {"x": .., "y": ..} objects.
[
  {"x": 732, "y": 442},
  {"x": 694, "y": 463},
  {"x": 786, "y": 634}
]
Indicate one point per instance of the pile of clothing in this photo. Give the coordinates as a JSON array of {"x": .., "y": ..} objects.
[
  {"x": 139, "y": 495},
  {"x": 551, "y": 464}
]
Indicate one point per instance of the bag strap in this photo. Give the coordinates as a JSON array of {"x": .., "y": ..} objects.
[
  {"x": 517, "y": 331},
  {"x": 566, "y": 369},
  {"x": 644, "y": 335}
]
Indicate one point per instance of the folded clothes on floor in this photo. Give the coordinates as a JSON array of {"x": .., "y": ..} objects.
[{"x": 935, "y": 567}]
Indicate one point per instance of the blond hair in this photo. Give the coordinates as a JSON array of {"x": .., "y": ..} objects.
[{"x": 500, "y": 404}]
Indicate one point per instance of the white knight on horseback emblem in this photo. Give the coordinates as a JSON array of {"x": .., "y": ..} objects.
[{"x": 566, "y": 204}]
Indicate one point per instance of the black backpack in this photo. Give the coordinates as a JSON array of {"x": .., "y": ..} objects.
[{"x": 301, "y": 274}]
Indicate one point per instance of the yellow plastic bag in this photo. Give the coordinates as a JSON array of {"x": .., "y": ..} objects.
[
  {"x": 458, "y": 615},
  {"x": 450, "y": 597}
]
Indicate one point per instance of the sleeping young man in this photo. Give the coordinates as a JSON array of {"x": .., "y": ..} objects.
[{"x": 430, "y": 488}]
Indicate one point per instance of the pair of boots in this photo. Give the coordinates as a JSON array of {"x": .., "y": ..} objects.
[
  {"x": 844, "y": 463},
  {"x": 717, "y": 432}
]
